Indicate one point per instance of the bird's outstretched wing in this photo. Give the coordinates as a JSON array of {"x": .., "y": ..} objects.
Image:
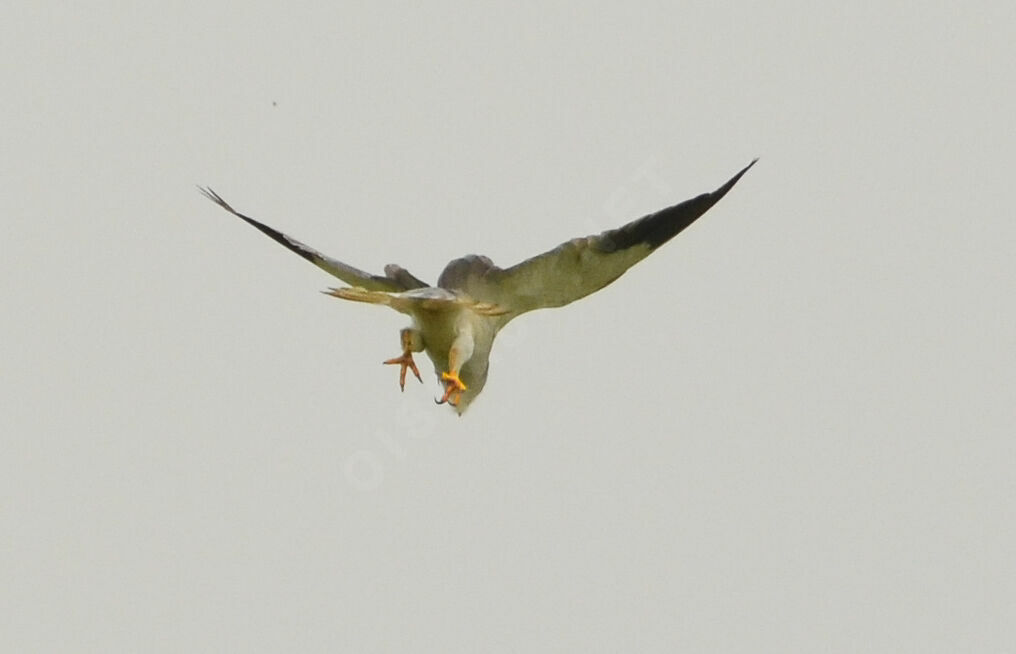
[
  {"x": 395, "y": 279},
  {"x": 578, "y": 267}
]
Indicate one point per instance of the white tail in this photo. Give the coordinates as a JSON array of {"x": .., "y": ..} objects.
[
  {"x": 358, "y": 294},
  {"x": 408, "y": 301}
]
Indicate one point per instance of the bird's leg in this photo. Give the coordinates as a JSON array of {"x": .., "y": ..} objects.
[
  {"x": 412, "y": 341},
  {"x": 461, "y": 350}
]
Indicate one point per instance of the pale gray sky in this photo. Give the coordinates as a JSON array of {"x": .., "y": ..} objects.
[{"x": 790, "y": 429}]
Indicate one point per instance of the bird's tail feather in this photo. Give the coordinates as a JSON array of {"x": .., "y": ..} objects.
[
  {"x": 397, "y": 301},
  {"x": 357, "y": 294},
  {"x": 406, "y": 303}
]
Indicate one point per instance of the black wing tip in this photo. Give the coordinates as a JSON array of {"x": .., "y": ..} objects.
[
  {"x": 657, "y": 228},
  {"x": 746, "y": 169},
  {"x": 216, "y": 198},
  {"x": 270, "y": 232},
  {"x": 720, "y": 192},
  {"x": 208, "y": 193}
]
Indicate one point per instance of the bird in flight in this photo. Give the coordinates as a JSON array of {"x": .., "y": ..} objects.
[{"x": 455, "y": 322}]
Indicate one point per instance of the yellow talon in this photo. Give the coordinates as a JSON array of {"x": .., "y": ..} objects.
[
  {"x": 453, "y": 388},
  {"x": 453, "y": 377}
]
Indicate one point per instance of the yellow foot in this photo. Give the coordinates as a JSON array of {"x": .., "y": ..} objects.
[
  {"x": 406, "y": 361},
  {"x": 453, "y": 388}
]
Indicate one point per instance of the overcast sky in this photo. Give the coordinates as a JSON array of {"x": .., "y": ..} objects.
[{"x": 790, "y": 429}]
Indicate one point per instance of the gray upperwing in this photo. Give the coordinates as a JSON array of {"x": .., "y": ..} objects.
[
  {"x": 582, "y": 266},
  {"x": 396, "y": 278}
]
